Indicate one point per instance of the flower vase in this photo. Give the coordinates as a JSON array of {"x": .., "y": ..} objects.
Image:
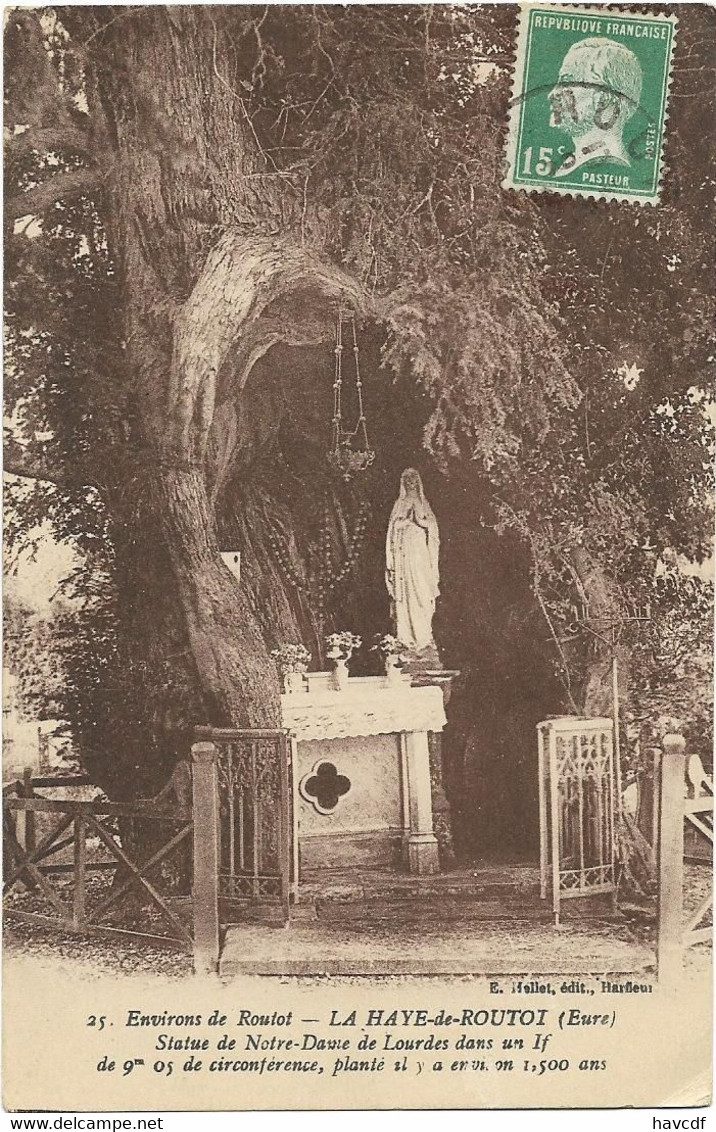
[
  {"x": 392, "y": 672},
  {"x": 293, "y": 682},
  {"x": 340, "y": 675}
]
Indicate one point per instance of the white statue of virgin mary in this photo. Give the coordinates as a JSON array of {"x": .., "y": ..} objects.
[{"x": 411, "y": 554}]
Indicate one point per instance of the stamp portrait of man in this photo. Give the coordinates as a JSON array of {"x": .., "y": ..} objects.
[{"x": 596, "y": 93}]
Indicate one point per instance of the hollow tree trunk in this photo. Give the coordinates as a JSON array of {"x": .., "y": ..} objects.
[
  {"x": 209, "y": 245},
  {"x": 224, "y": 635},
  {"x": 276, "y": 580}
]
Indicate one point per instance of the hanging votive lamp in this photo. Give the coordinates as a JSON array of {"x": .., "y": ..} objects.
[{"x": 350, "y": 451}]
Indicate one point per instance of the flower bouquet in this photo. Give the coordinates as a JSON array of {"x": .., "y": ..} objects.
[
  {"x": 292, "y": 662},
  {"x": 340, "y": 648},
  {"x": 393, "y": 652}
]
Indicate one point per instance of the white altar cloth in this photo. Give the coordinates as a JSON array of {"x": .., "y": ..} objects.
[{"x": 365, "y": 711}]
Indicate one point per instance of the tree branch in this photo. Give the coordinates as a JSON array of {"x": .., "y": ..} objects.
[
  {"x": 60, "y": 187},
  {"x": 31, "y": 471},
  {"x": 61, "y": 138}
]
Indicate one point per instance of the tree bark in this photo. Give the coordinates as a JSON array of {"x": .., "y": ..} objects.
[
  {"x": 603, "y": 599},
  {"x": 214, "y": 271},
  {"x": 636, "y": 858},
  {"x": 227, "y": 645}
]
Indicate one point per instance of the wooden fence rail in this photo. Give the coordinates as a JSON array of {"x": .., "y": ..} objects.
[
  {"x": 686, "y": 794},
  {"x": 220, "y": 783},
  {"x": 29, "y": 861}
]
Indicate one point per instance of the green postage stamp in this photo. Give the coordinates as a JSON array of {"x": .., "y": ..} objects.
[{"x": 589, "y": 101}]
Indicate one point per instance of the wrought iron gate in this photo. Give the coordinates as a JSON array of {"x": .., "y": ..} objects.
[
  {"x": 577, "y": 794},
  {"x": 254, "y": 817}
]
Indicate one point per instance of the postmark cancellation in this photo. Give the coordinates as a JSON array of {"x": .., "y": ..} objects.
[{"x": 588, "y": 112}]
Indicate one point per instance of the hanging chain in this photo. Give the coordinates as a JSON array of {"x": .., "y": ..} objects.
[
  {"x": 359, "y": 388},
  {"x": 337, "y": 425},
  {"x": 342, "y": 457}
]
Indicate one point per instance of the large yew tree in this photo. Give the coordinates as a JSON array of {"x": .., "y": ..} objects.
[{"x": 191, "y": 194}]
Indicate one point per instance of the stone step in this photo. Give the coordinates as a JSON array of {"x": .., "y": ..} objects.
[
  {"x": 435, "y": 911},
  {"x": 387, "y": 910},
  {"x": 421, "y": 910},
  {"x": 485, "y": 882},
  {"x": 515, "y": 947},
  {"x": 419, "y": 888}
]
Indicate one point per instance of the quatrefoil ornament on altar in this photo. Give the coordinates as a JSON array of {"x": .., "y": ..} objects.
[{"x": 324, "y": 787}]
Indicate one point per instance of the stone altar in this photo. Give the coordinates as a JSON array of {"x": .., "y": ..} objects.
[{"x": 361, "y": 773}]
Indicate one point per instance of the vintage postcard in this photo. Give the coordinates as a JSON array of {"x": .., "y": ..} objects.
[{"x": 358, "y": 557}]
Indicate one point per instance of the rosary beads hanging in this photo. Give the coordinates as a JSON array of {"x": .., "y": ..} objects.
[{"x": 330, "y": 577}]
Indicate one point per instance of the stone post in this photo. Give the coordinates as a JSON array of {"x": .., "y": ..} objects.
[
  {"x": 442, "y": 678},
  {"x": 205, "y": 800},
  {"x": 669, "y": 949},
  {"x": 422, "y": 842}
]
